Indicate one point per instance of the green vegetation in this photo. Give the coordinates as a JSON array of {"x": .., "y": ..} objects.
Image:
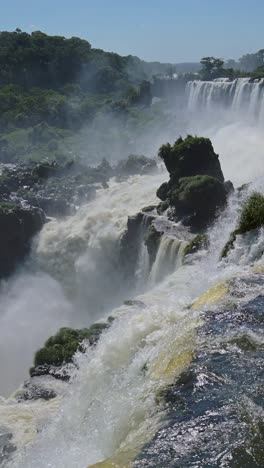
[
  {"x": 199, "y": 242},
  {"x": 195, "y": 190},
  {"x": 60, "y": 348},
  {"x": 251, "y": 217},
  {"x": 52, "y": 87},
  {"x": 191, "y": 156}
]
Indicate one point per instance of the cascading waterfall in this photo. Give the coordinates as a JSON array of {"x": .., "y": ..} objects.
[
  {"x": 243, "y": 95},
  {"x": 72, "y": 276},
  {"x": 113, "y": 412},
  {"x": 112, "y": 405},
  {"x": 169, "y": 257}
]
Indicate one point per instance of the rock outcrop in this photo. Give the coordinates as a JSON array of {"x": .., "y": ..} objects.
[
  {"x": 251, "y": 219},
  {"x": 196, "y": 188}
]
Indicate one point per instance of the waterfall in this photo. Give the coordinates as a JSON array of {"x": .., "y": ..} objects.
[
  {"x": 241, "y": 95},
  {"x": 169, "y": 256},
  {"x": 114, "y": 406},
  {"x": 111, "y": 407}
]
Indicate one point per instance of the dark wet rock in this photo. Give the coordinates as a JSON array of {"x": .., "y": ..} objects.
[
  {"x": 31, "y": 391},
  {"x": 7, "y": 446},
  {"x": 135, "y": 164},
  {"x": 146, "y": 209},
  {"x": 229, "y": 187},
  {"x": 152, "y": 241},
  {"x": 61, "y": 373},
  {"x": 163, "y": 206},
  {"x": 196, "y": 200},
  {"x": 130, "y": 245},
  {"x": 18, "y": 225},
  {"x": 163, "y": 191}
]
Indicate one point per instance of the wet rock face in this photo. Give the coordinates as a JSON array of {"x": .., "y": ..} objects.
[
  {"x": 152, "y": 241},
  {"x": 130, "y": 245},
  {"x": 196, "y": 189},
  {"x": 18, "y": 225},
  {"x": 32, "y": 391},
  {"x": 135, "y": 164}
]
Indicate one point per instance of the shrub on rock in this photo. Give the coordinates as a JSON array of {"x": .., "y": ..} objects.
[
  {"x": 60, "y": 348},
  {"x": 197, "y": 198},
  {"x": 251, "y": 218},
  {"x": 191, "y": 156}
]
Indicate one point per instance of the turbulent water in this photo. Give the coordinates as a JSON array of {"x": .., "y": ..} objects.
[{"x": 176, "y": 379}]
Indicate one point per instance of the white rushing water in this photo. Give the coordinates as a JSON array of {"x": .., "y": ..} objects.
[
  {"x": 113, "y": 404},
  {"x": 79, "y": 253},
  {"x": 242, "y": 96},
  {"x": 111, "y": 407}
]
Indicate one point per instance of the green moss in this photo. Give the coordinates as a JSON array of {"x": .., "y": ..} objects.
[
  {"x": 251, "y": 217},
  {"x": 196, "y": 186},
  {"x": 229, "y": 245},
  {"x": 60, "y": 348},
  {"x": 191, "y": 156},
  {"x": 198, "y": 242}
]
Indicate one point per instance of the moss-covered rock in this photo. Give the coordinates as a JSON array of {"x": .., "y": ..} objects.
[
  {"x": 60, "y": 348},
  {"x": 191, "y": 156},
  {"x": 196, "y": 199},
  {"x": 252, "y": 215},
  {"x": 251, "y": 218},
  {"x": 199, "y": 242},
  {"x": 196, "y": 187}
]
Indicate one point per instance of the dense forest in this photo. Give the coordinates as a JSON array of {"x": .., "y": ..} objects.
[
  {"x": 60, "y": 97},
  {"x": 51, "y": 87}
]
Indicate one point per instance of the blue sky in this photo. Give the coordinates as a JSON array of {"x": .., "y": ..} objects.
[{"x": 168, "y": 30}]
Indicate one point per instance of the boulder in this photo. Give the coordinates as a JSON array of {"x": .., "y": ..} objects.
[
  {"x": 191, "y": 156},
  {"x": 196, "y": 188}
]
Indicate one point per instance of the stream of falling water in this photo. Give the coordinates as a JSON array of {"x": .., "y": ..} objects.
[{"x": 112, "y": 406}]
